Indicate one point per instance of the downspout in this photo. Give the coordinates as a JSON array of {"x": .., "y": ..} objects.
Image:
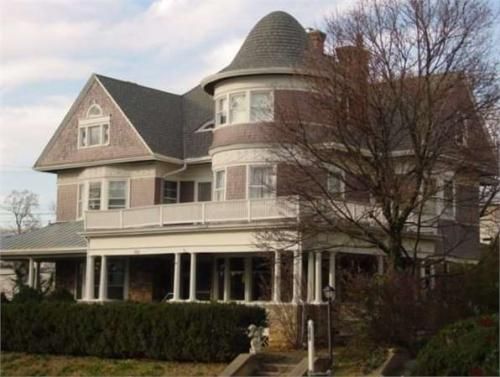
[{"x": 173, "y": 172}]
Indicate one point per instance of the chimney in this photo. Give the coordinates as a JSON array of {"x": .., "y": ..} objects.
[
  {"x": 316, "y": 40},
  {"x": 354, "y": 60}
]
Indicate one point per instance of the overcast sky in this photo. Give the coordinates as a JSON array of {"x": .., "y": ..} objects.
[{"x": 49, "y": 48}]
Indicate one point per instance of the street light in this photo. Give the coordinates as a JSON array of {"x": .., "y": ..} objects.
[{"x": 329, "y": 293}]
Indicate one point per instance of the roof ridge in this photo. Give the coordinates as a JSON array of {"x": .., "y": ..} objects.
[{"x": 136, "y": 84}]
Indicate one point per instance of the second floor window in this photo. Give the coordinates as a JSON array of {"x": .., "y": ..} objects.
[
  {"x": 448, "y": 198},
  {"x": 335, "y": 184},
  {"x": 81, "y": 195},
  {"x": 169, "y": 192},
  {"x": 117, "y": 194},
  {"x": 249, "y": 106},
  {"x": 237, "y": 108},
  {"x": 221, "y": 111},
  {"x": 261, "y": 182},
  {"x": 220, "y": 185},
  {"x": 94, "y": 202},
  {"x": 261, "y": 106}
]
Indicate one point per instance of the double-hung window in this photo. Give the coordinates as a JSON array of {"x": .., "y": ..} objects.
[
  {"x": 170, "y": 191},
  {"x": 335, "y": 184},
  {"x": 237, "y": 108},
  {"x": 117, "y": 194},
  {"x": 261, "y": 182},
  {"x": 448, "y": 198},
  {"x": 94, "y": 129},
  {"x": 220, "y": 185},
  {"x": 221, "y": 111},
  {"x": 94, "y": 200},
  {"x": 261, "y": 106}
]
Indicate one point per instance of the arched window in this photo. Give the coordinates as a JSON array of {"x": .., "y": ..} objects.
[
  {"x": 94, "y": 111},
  {"x": 93, "y": 130}
]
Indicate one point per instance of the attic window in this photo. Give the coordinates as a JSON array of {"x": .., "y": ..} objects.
[
  {"x": 93, "y": 130},
  {"x": 208, "y": 126}
]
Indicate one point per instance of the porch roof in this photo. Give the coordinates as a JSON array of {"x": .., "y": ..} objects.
[{"x": 57, "y": 238}]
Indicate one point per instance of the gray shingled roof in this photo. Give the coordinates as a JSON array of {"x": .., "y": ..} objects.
[
  {"x": 54, "y": 236},
  {"x": 156, "y": 115},
  {"x": 277, "y": 41}
]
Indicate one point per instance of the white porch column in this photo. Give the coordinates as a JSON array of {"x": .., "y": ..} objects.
[
  {"x": 192, "y": 278},
  {"x": 310, "y": 276},
  {"x": 380, "y": 264},
  {"x": 215, "y": 280},
  {"x": 331, "y": 270},
  {"x": 31, "y": 270},
  {"x": 318, "y": 295},
  {"x": 248, "y": 279},
  {"x": 89, "y": 278},
  {"x": 227, "y": 280},
  {"x": 177, "y": 276},
  {"x": 297, "y": 276},
  {"x": 103, "y": 280},
  {"x": 277, "y": 277}
]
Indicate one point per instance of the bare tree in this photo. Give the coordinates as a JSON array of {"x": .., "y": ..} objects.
[
  {"x": 396, "y": 131},
  {"x": 21, "y": 204}
]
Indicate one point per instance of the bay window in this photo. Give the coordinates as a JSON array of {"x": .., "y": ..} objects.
[
  {"x": 260, "y": 106},
  {"x": 221, "y": 111},
  {"x": 250, "y": 106},
  {"x": 261, "y": 182},
  {"x": 94, "y": 200},
  {"x": 220, "y": 185},
  {"x": 237, "y": 108},
  {"x": 117, "y": 194}
]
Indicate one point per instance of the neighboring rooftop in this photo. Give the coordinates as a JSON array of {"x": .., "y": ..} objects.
[
  {"x": 62, "y": 237},
  {"x": 276, "y": 44}
]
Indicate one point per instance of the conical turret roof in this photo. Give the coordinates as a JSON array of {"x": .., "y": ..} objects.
[{"x": 276, "y": 44}]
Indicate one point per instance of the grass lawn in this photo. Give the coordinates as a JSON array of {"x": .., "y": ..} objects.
[{"x": 20, "y": 364}]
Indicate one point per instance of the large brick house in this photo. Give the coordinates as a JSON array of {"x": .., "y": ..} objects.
[{"x": 160, "y": 195}]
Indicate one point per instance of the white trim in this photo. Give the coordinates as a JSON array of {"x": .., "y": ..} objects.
[{"x": 208, "y": 126}]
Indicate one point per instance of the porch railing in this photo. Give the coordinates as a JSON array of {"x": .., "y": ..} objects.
[{"x": 193, "y": 213}]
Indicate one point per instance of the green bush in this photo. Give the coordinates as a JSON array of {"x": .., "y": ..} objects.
[
  {"x": 174, "y": 331},
  {"x": 60, "y": 295},
  {"x": 468, "y": 347},
  {"x": 27, "y": 294}
]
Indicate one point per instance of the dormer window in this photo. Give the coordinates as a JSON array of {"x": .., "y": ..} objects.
[{"x": 93, "y": 130}]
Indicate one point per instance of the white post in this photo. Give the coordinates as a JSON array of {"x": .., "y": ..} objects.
[
  {"x": 192, "y": 278},
  {"x": 331, "y": 274},
  {"x": 297, "y": 276},
  {"x": 318, "y": 296},
  {"x": 215, "y": 280},
  {"x": 177, "y": 276},
  {"x": 277, "y": 277},
  {"x": 310, "y": 347},
  {"x": 248, "y": 279},
  {"x": 380, "y": 264},
  {"x": 89, "y": 278},
  {"x": 103, "y": 281},
  {"x": 227, "y": 280},
  {"x": 31, "y": 268},
  {"x": 310, "y": 276}
]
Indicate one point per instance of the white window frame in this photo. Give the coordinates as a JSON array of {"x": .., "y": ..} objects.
[
  {"x": 100, "y": 197},
  {"x": 273, "y": 178},
  {"x": 271, "y": 105},
  {"x": 248, "y": 96},
  {"x": 127, "y": 191},
  {"x": 448, "y": 177},
  {"x": 215, "y": 190},
  {"x": 224, "y": 110},
  {"x": 81, "y": 190},
  {"x": 197, "y": 190},
  {"x": 336, "y": 171},
  {"x": 101, "y": 121}
]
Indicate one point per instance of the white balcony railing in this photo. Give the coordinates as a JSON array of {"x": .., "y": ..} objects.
[{"x": 192, "y": 213}]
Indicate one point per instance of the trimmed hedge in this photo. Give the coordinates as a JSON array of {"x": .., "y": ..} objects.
[
  {"x": 463, "y": 348},
  {"x": 174, "y": 331}
]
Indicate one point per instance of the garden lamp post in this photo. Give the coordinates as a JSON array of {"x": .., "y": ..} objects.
[{"x": 329, "y": 293}]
